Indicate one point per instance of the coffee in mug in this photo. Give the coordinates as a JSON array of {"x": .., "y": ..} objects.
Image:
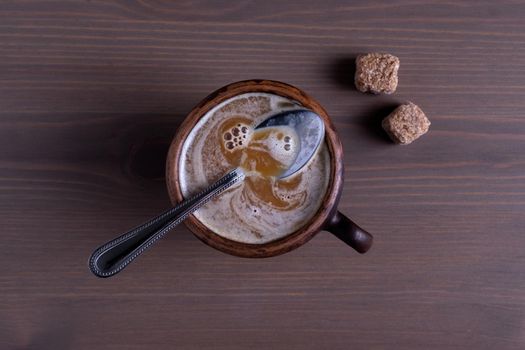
[{"x": 262, "y": 208}]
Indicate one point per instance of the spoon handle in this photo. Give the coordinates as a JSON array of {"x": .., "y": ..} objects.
[{"x": 115, "y": 255}]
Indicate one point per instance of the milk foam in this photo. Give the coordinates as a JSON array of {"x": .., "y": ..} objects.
[{"x": 258, "y": 210}]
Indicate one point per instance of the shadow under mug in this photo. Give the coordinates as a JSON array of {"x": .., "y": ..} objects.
[{"x": 327, "y": 218}]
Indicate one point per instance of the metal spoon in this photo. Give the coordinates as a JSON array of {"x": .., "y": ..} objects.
[{"x": 115, "y": 255}]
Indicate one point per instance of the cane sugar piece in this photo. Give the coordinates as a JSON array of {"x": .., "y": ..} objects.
[
  {"x": 376, "y": 73},
  {"x": 406, "y": 123}
]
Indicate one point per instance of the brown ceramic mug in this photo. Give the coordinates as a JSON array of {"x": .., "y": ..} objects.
[{"x": 327, "y": 217}]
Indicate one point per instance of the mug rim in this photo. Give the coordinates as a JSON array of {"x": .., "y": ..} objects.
[{"x": 306, "y": 231}]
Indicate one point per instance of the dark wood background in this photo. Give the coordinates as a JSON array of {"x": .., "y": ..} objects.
[{"x": 91, "y": 93}]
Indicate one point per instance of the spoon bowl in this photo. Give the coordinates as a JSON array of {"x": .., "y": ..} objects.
[{"x": 310, "y": 131}]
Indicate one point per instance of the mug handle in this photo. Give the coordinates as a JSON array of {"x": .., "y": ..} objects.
[{"x": 347, "y": 231}]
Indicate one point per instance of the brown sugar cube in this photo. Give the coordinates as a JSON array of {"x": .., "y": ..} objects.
[
  {"x": 406, "y": 123},
  {"x": 376, "y": 73}
]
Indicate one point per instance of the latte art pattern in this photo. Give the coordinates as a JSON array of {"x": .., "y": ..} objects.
[{"x": 261, "y": 208}]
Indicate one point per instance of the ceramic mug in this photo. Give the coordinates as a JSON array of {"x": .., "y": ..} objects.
[{"x": 327, "y": 218}]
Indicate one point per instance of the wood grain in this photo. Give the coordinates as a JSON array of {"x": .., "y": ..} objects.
[{"x": 92, "y": 92}]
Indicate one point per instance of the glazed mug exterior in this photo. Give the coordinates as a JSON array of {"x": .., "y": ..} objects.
[{"x": 327, "y": 217}]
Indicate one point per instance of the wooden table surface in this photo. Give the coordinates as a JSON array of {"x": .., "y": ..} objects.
[{"x": 91, "y": 93}]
